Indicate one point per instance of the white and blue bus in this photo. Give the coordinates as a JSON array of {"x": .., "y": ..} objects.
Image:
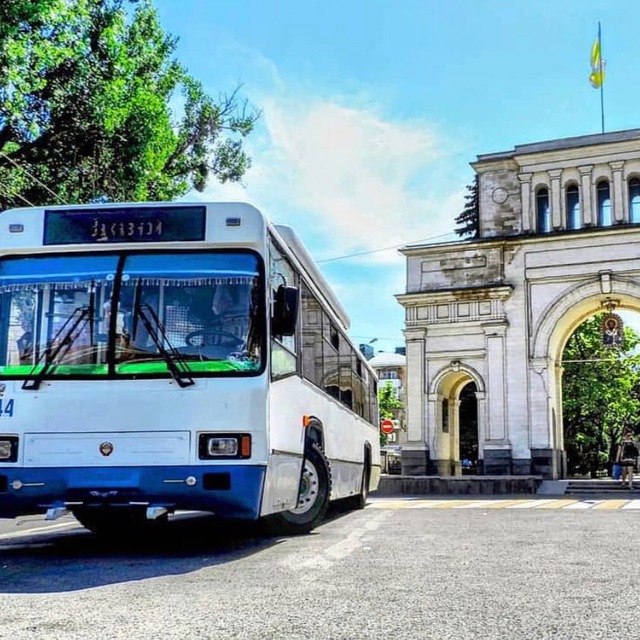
[{"x": 159, "y": 357}]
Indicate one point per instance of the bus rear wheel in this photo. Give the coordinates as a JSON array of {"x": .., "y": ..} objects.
[
  {"x": 313, "y": 495},
  {"x": 359, "y": 501}
]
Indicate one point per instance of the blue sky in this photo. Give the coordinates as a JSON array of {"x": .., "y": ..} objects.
[{"x": 373, "y": 109}]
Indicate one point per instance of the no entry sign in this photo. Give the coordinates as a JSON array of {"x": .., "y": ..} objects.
[{"x": 387, "y": 426}]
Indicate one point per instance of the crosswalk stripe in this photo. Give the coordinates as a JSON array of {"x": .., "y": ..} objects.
[
  {"x": 425, "y": 504},
  {"x": 633, "y": 504},
  {"x": 585, "y": 504},
  {"x": 452, "y": 504},
  {"x": 529, "y": 504},
  {"x": 611, "y": 504},
  {"x": 511, "y": 504},
  {"x": 555, "y": 504},
  {"x": 478, "y": 504}
]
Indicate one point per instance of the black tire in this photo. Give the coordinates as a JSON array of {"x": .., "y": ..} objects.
[
  {"x": 313, "y": 496},
  {"x": 117, "y": 523}
]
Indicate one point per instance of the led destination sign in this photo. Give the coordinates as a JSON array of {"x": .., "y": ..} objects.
[{"x": 126, "y": 224}]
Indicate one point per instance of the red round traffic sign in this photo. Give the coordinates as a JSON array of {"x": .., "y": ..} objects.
[{"x": 387, "y": 426}]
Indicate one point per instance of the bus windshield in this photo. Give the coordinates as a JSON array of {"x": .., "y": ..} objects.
[{"x": 131, "y": 315}]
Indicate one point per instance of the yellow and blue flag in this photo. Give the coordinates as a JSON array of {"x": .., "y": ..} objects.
[{"x": 596, "y": 78}]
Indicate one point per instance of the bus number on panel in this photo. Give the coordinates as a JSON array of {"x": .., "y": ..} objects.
[{"x": 6, "y": 408}]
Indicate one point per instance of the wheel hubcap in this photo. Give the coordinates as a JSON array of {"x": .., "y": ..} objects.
[{"x": 309, "y": 487}]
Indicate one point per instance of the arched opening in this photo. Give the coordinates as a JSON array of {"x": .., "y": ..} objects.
[
  {"x": 456, "y": 440},
  {"x": 573, "y": 207},
  {"x": 604, "y": 203},
  {"x": 543, "y": 213},
  {"x": 634, "y": 200},
  {"x": 468, "y": 425},
  {"x": 548, "y": 365},
  {"x": 600, "y": 390}
]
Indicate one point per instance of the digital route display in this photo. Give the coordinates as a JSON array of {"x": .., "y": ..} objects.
[{"x": 124, "y": 224}]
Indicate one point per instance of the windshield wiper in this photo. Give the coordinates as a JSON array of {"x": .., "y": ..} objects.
[
  {"x": 63, "y": 340},
  {"x": 176, "y": 364}
]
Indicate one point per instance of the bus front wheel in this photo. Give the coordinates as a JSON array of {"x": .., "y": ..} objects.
[{"x": 313, "y": 495}]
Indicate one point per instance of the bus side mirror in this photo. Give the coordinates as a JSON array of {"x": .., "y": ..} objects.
[{"x": 285, "y": 311}]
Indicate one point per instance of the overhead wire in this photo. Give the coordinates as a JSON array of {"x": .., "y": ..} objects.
[
  {"x": 17, "y": 195},
  {"x": 395, "y": 246},
  {"x": 42, "y": 184}
]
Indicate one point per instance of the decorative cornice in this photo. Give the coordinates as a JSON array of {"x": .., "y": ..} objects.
[{"x": 421, "y": 298}]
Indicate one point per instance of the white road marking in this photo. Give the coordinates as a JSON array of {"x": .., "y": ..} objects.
[
  {"x": 586, "y": 504},
  {"x": 325, "y": 559},
  {"x": 478, "y": 504}
]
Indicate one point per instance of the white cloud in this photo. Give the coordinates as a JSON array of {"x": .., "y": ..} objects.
[
  {"x": 351, "y": 180},
  {"x": 346, "y": 177}
]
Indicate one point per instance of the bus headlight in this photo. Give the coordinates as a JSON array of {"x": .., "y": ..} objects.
[
  {"x": 222, "y": 447},
  {"x": 8, "y": 448},
  {"x": 216, "y": 446}
]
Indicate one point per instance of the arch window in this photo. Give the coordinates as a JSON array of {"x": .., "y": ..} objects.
[
  {"x": 634, "y": 200},
  {"x": 543, "y": 213},
  {"x": 573, "y": 207},
  {"x": 604, "y": 204}
]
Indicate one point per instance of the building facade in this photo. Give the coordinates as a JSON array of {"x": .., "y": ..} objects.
[{"x": 488, "y": 318}]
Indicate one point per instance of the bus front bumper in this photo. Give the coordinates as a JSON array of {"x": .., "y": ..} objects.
[{"x": 232, "y": 491}]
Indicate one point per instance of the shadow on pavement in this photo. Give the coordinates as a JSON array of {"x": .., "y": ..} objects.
[
  {"x": 77, "y": 559},
  {"x": 71, "y": 560}
]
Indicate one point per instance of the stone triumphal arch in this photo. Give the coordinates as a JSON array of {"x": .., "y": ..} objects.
[{"x": 559, "y": 240}]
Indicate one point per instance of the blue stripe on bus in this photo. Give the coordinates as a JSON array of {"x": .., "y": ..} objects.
[{"x": 236, "y": 495}]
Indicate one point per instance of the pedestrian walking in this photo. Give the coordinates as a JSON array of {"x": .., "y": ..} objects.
[{"x": 627, "y": 457}]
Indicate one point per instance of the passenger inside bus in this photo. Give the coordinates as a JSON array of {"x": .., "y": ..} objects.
[
  {"x": 199, "y": 320},
  {"x": 222, "y": 314}
]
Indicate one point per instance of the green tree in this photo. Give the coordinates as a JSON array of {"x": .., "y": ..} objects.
[
  {"x": 389, "y": 405},
  {"x": 469, "y": 218},
  {"x": 601, "y": 396},
  {"x": 94, "y": 106}
]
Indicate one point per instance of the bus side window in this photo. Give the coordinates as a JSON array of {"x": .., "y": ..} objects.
[
  {"x": 311, "y": 312},
  {"x": 330, "y": 378},
  {"x": 284, "y": 352}
]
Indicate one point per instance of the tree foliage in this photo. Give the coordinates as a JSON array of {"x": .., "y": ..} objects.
[
  {"x": 601, "y": 396},
  {"x": 469, "y": 218},
  {"x": 93, "y": 106},
  {"x": 389, "y": 405}
]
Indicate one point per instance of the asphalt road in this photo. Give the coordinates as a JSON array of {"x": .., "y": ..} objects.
[{"x": 401, "y": 568}]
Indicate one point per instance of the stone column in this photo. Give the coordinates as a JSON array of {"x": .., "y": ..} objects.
[
  {"x": 415, "y": 389},
  {"x": 539, "y": 396},
  {"x": 496, "y": 365},
  {"x": 558, "y": 439},
  {"x": 414, "y": 453},
  {"x": 556, "y": 193},
  {"x": 525, "y": 196},
  {"x": 586, "y": 206},
  {"x": 482, "y": 418},
  {"x": 439, "y": 442},
  {"x": 454, "y": 442},
  {"x": 617, "y": 195}
]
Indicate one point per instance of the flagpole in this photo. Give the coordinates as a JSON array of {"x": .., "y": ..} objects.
[{"x": 601, "y": 79}]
